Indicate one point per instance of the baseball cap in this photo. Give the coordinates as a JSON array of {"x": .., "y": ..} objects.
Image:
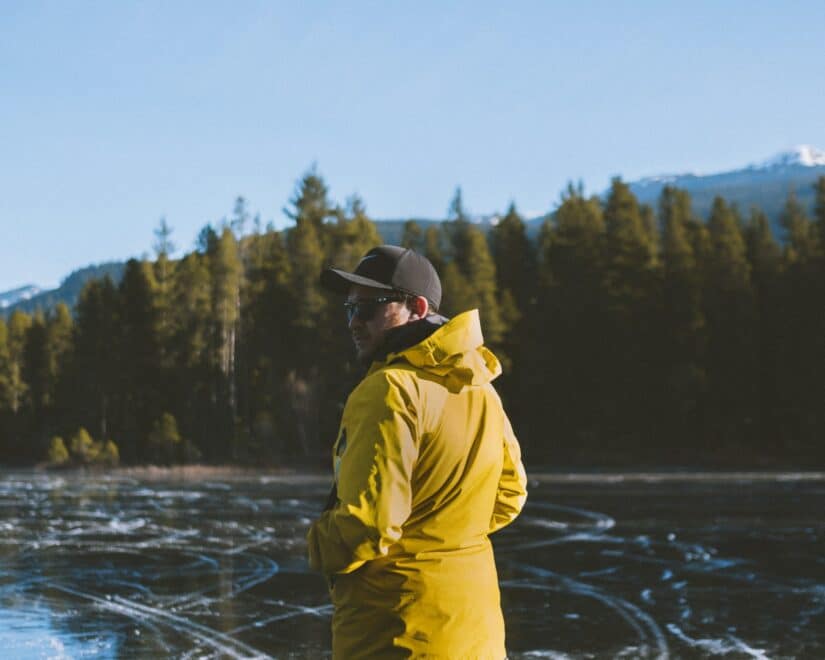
[{"x": 392, "y": 268}]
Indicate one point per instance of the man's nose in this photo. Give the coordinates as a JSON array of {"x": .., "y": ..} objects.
[{"x": 354, "y": 322}]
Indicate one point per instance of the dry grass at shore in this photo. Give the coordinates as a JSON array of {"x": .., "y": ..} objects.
[{"x": 194, "y": 473}]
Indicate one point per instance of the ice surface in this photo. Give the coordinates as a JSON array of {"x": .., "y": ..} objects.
[{"x": 628, "y": 567}]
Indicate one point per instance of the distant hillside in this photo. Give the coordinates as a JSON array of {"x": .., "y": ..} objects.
[
  {"x": 69, "y": 289},
  {"x": 392, "y": 231}
]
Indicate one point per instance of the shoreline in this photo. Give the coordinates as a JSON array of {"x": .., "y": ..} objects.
[{"x": 544, "y": 475}]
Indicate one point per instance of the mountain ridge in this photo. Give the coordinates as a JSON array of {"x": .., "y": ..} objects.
[{"x": 68, "y": 291}]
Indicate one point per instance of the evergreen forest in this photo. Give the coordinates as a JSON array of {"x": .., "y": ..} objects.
[{"x": 631, "y": 336}]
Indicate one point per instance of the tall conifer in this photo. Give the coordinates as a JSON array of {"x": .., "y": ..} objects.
[
  {"x": 800, "y": 234},
  {"x": 730, "y": 313},
  {"x": 683, "y": 330},
  {"x": 18, "y": 325},
  {"x": 140, "y": 387},
  {"x": 632, "y": 284},
  {"x": 93, "y": 373},
  {"x": 5, "y": 371},
  {"x": 566, "y": 330},
  {"x": 514, "y": 258},
  {"x": 471, "y": 281},
  {"x": 819, "y": 210}
]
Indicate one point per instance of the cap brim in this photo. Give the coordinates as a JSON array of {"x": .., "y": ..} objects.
[{"x": 340, "y": 281}]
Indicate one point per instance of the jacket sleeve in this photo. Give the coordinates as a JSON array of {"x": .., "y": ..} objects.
[
  {"x": 512, "y": 484},
  {"x": 373, "y": 483}
]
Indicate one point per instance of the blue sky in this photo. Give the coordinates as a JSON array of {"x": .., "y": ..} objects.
[{"x": 113, "y": 114}]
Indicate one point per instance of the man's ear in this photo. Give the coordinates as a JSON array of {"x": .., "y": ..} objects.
[{"x": 419, "y": 307}]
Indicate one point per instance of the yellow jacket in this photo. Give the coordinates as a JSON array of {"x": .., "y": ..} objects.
[{"x": 426, "y": 466}]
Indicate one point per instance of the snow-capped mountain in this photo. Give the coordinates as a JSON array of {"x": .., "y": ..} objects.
[
  {"x": 804, "y": 155},
  {"x": 764, "y": 184},
  {"x": 9, "y": 298}
]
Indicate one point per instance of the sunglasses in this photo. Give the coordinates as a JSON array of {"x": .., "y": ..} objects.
[{"x": 365, "y": 309}]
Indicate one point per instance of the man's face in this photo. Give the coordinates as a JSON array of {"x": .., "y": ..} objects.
[{"x": 369, "y": 335}]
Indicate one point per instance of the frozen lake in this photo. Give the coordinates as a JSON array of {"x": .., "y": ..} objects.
[{"x": 634, "y": 566}]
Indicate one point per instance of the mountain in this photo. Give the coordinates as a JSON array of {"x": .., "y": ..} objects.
[
  {"x": 764, "y": 184},
  {"x": 9, "y": 298},
  {"x": 67, "y": 292}
]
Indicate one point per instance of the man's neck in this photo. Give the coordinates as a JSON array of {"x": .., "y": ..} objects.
[{"x": 402, "y": 337}]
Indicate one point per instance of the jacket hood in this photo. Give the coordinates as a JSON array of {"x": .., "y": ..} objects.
[{"x": 454, "y": 353}]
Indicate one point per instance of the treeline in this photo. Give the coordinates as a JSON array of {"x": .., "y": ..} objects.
[{"x": 629, "y": 334}]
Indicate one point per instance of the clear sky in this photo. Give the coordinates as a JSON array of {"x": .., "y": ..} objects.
[{"x": 113, "y": 114}]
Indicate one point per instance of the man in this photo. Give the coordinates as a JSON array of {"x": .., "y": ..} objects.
[{"x": 426, "y": 466}]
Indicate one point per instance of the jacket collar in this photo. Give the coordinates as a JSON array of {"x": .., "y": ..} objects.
[{"x": 452, "y": 351}]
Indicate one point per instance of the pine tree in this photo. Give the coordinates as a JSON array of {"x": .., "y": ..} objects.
[
  {"x": 515, "y": 263},
  {"x": 35, "y": 366},
  {"x": 729, "y": 307},
  {"x": 6, "y": 394},
  {"x": 457, "y": 295},
  {"x": 631, "y": 254},
  {"x": 651, "y": 228},
  {"x": 632, "y": 281},
  {"x": 456, "y": 211},
  {"x": 240, "y": 218},
  {"x": 800, "y": 234},
  {"x": 226, "y": 272},
  {"x": 728, "y": 267},
  {"x": 140, "y": 390},
  {"x": 11, "y": 393},
  {"x": 514, "y": 258},
  {"x": 566, "y": 342},
  {"x": 765, "y": 259},
  {"x": 308, "y": 245},
  {"x": 764, "y": 253},
  {"x": 472, "y": 281},
  {"x": 92, "y": 374},
  {"x": 819, "y": 210},
  {"x": 305, "y": 242},
  {"x": 162, "y": 274},
  {"x": 270, "y": 343},
  {"x": 310, "y": 201},
  {"x": 60, "y": 345},
  {"x": 191, "y": 312},
  {"x": 802, "y": 330},
  {"x": 683, "y": 331},
  {"x": 18, "y": 326},
  {"x": 682, "y": 280},
  {"x": 574, "y": 249},
  {"x": 163, "y": 244},
  {"x": 191, "y": 348},
  {"x": 353, "y": 236},
  {"x": 207, "y": 239}
]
